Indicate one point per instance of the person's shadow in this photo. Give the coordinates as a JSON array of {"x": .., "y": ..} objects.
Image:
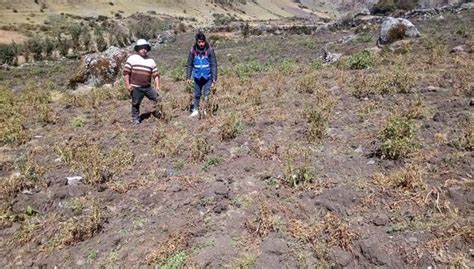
[{"x": 147, "y": 115}]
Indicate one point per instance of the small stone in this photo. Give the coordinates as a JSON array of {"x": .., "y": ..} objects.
[
  {"x": 73, "y": 180},
  {"x": 175, "y": 188},
  {"x": 80, "y": 262},
  {"x": 358, "y": 149},
  {"x": 458, "y": 49},
  {"x": 412, "y": 239},
  {"x": 381, "y": 220},
  {"x": 370, "y": 162}
]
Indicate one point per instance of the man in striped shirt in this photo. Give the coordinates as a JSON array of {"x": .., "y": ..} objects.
[{"x": 138, "y": 72}]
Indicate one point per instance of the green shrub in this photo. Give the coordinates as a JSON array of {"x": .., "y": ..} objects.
[
  {"x": 360, "y": 60},
  {"x": 8, "y": 53},
  {"x": 231, "y": 127},
  {"x": 249, "y": 69},
  {"x": 398, "y": 138}
]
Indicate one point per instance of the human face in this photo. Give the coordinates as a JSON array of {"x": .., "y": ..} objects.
[
  {"x": 201, "y": 43},
  {"x": 142, "y": 52}
]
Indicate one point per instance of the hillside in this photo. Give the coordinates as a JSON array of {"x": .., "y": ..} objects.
[{"x": 365, "y": 163}]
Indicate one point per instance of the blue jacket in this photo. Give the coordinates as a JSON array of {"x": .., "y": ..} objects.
[{"x": 202, "y": 63}]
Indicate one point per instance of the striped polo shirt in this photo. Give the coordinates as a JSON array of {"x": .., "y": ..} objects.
[{"x": 141, "y": 70}]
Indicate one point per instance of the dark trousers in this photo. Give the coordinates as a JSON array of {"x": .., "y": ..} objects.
[
  {"x": 201, "y": 86},
  {"x": 137, "y": 96}
]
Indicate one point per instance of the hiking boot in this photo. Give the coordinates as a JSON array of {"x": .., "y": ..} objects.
[
  {"x": 157, "y": 114},
  {"x": 195, "y": 113}
]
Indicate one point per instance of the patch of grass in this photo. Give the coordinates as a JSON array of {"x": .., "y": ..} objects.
[
  {"x": 297, "y": 169},
  {"x": 79, "y": 121},
  {"x": 20, "y": 109},
  {"x": 242, "y": 201},
  {"x": 360, "y": 60},
  {"x": 29, "y": 176},
  {"x": 199, "y": 149},
  {"x": 466, "y": 140},
  {"x": 246, "y": 261},
  {"x": 409, "y": 179},
  {"x": 339, "y": 232},
  {"x": 287, "y": 67},
  {"x": 398, "y": 79},
  {"x": 170, "y": 141},
  {"x": 365, "y": 38},
  {"x": 249, "y": 69},
  {"x": 317, "y": 116},
  {"x": 398, "y": 138},
  {"x": 366, "y": 110},
  {"x": 212, "y": 161},
  {"x": 96, "y": 97},
  {"x": 176, "y": 260},
  {"x": 91, "y": 255},
  {"x": 264, "y": 222},
  {"x": 79, "y": 228},
  {"x": 98, "y": 167},
  {"x": 231, "y": 127},
  {"x": 171, "y": 251}
]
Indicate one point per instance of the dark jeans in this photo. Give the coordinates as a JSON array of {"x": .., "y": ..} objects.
[
  {"x": 201, "y": 86},
  {"x": 137, "y": 96}
]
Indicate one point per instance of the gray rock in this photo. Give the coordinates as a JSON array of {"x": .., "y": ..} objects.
[
  {"x": 394, "y": 29},
  {"x": 457, "y": 49},
  {"x": 275, "y": 246},
  {"x": 374, "y": 253},
  {"x": 469, "y": 5},
  {"x": 73, "y": 180},
  {"x": 168, "y": 36},
  {"x": 342, "y": 258},
  {"x": 329, "y": 57},
  {"x": 381, "y": 220},
  {"x": 99, "y": 68}
]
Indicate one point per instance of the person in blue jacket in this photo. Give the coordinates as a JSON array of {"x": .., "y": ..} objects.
[{"x": 202, "y": 67}]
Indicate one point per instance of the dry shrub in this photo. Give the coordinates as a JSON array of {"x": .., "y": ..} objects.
[
  {"x": 466, "y": 140},
  {"x": 95, "y": 98},
  {"x": 409, "y": 179},
  {"x": 29, "y": 175},
  {"x": 309, "y": 83},
  {"x": 305, "y": 231},
  {"x": 199, "y": 149},
  {"x": 338, "y": 232},
  {"x": 398, "y": 138},
  {"x": 298, "y": 170},
  {"x": 317, "y": 115},
  {"x": 98, "y": 167},
  {"x": 263, "y": 150},
  {"x": 170, "y": 141},
  {"x": 231, "y": 127},
  {"x": 176, "y": 242},
  {"x": 80, "y": 228},
  {"x": 388, "y": 81},
  {"x": 31, "y": 105},
  {"x": 264, "y": 222}
]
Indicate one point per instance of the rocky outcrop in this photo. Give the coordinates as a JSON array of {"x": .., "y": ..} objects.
[
  {"x": 99, "y": 68},
  {"x": 394, "y": 29}
]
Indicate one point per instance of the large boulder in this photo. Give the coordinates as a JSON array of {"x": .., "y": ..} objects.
[
  {"x": 100, "y": 68},
  {"x": 394, "y": 29},
  {"x": 168, "y": 36}
]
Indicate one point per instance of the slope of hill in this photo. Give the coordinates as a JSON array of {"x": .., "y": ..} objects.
[{"x": 361, "y": 164}]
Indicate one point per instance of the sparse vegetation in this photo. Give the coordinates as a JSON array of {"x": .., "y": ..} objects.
[
  {"x": 297, "y": 163},
  {"x": 398, "y": 138}
]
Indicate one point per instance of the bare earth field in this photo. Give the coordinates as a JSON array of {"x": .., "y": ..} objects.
[{"x": 366, "y": 163}]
